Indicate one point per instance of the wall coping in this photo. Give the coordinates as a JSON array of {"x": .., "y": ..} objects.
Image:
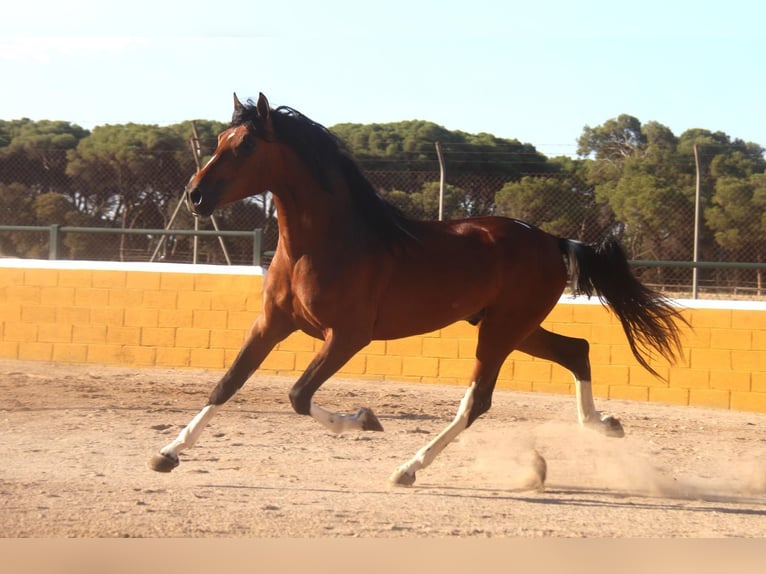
[
  {"x": 11, "y": 263},
  {"x": 203, "y": 269}
]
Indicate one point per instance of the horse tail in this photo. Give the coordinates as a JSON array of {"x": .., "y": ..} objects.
[{"x": 649, "y": 319}]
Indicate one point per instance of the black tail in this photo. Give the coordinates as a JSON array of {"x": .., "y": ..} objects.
[{"x": 648, "y": 318}]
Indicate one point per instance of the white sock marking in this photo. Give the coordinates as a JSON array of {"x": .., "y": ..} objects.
[
  {"x": 190, "y": 433},
  {"x": 336, "y": 422},
  {"x": 428, "y": 453},
  {"x": 586, "y": 408}
]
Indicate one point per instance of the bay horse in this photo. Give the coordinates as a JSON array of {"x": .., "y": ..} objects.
[{"x": 350, "y": 268}]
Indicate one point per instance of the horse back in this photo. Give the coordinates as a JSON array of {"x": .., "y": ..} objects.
[{"x": 459, "y": 269}]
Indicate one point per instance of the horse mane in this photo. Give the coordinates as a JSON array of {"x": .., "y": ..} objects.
[{"x": 328, "y": 157}]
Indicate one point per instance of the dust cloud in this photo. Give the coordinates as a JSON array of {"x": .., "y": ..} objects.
[{"x": 584, "y": 460}]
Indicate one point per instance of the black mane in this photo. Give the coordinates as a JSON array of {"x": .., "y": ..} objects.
[{"x": 327, "y": 157}]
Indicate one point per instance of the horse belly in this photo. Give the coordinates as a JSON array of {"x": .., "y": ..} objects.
[{"x": 418, "y": 307}]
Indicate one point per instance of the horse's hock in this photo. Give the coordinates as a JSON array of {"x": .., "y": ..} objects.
[{"x": 197, "y": 316}]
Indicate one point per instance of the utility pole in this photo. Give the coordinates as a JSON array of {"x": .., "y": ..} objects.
[
  {"x": 441, "y": 181},
  {"x": 197, "y": 153},
  {"x": 697, "y": 209}
]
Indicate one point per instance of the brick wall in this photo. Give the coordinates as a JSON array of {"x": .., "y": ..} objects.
[{"x": 184, "y": 316}]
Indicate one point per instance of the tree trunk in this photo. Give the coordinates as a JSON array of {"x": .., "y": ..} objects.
[{"x": 123, "y": 225}]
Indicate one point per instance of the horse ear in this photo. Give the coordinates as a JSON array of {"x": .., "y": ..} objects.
[
  {"x": 264, "y": 111},
  {"x": 237, "y": 104}
]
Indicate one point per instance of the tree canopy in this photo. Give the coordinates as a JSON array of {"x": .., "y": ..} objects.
[{"x": 636, "y": 180}]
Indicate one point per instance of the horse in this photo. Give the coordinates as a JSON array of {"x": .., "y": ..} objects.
[{"x": 350, "y": 268}]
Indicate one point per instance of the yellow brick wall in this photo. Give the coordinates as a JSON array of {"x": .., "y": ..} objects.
[{"x": 174, "y": 316}]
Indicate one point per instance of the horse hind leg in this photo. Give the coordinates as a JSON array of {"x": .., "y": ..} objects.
[
  {"x": 572, "y": 354},
  {"x": 405, "y": 474},
  {"x": 495, "y": 344},
  {"x": 474, "y": 403}
]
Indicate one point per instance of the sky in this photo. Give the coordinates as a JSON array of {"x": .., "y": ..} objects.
[{"x": 536, "y": 71}]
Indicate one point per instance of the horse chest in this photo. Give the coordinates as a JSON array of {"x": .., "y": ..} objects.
[{"x": 317, "y": 300}]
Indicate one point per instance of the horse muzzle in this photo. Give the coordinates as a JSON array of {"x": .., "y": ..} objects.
[{"x": 200, "y": 203}]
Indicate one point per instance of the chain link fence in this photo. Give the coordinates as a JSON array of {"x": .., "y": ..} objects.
[{"x": 43, "y": 191}]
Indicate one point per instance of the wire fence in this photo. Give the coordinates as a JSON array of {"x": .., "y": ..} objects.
[{"x": 34, "y": 199}]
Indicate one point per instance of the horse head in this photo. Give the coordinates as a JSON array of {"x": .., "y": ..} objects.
[{"x": 232, "y": 172}]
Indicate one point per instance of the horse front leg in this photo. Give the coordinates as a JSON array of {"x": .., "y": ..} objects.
[
  {"x": 334, "y": 354},
  {"x": 262, "y": 338}
]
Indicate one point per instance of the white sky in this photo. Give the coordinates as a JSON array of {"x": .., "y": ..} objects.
[{"x": 536, "y": 71}]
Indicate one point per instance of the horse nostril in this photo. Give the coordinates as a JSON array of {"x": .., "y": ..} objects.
[{"x": 200, "y": 201}]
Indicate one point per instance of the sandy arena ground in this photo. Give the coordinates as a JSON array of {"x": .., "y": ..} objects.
[{"x": 74, "y": 441}]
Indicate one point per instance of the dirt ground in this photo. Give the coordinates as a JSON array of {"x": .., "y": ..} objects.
[{"x": 75, "y": 439}]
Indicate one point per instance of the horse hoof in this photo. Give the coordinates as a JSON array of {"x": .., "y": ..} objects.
[
  {"x": 612, "y": 427},
  {"x": 162, "y": 463},
  {"x": 367, "y": 420},
  {"x": 402, "y": 478},
  {"x": 540, "y": 468}
]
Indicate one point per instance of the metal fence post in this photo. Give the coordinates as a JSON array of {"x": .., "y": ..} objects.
[
  {"x": 257, "y": 243},
  {"x": 54, "y": 236}
]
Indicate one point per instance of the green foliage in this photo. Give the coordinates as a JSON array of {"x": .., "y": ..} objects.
[
  {"x": 51, "y": 208},
  {"x": 35, "y": 153},
  {"x": 131, "y": 173},
  {"x": 615, "y": 140},
  {"x": 636, "y": 180},
  {"x": 653, "y": 201},
  {"x": 15, "y": 209},
  {"x": 646, "y": 175},
  {"x": 16, "y": 204},
  {"x": 425, "y": 203},
  {"x": 410, "y": 146},
  {"x": 410, "y": 140},
  {"x": 738, "y": 214},
  {"x": 643, "y": 175},
  {"x": 125, "y": 167},
  {"x": 559, "y": 204}
]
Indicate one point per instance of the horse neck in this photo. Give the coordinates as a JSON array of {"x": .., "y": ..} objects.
[{"x": 311, "y": 219}]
